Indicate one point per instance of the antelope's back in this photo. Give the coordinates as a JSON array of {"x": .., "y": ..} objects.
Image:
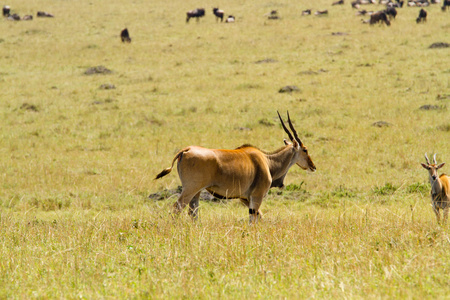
[{"x": 445, "y": 179}]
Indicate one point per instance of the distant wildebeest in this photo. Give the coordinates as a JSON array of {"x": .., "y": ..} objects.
[
  {"x": 273, "y": 15},
  {"x": 321, "y": 12},
  {"x": 340, "y": 2},
  {"x": 246, "y": 173},
  {"x": 355, "y": 4},
  {"x": 195, "y": 13},
  {"x": 6, "y": 11},
  {"x": 14, "y": 17},
  {"x": 422, "y": 16},
  {"x": 125, "y": 36},
  {"x": 440, "y": 188},
  {"x": 218, "y": 13},
  {"x": 230, "y": 19},
  {"x": 43, "y": 14},
  {"x": 363, "y": 12},
  {"x": 391, "y": 12},
  {"x": 379, "y": 17},
  {"x": 445, "y": 5},
  {"x": 306, "y": 12},
  {"x": 27, "y": 18}
]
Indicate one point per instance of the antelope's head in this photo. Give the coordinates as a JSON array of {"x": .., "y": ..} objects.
[
  {"x": 432, "y": 168},
  {"x": 301, "y": 156}
]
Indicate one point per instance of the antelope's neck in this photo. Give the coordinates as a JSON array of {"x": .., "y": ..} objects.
[
  {"x": 280, "y": 162},
  {"x": 436, "y": 186}
]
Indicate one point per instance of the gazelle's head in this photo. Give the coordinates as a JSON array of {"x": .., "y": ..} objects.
[
  {"x": 301, "y": 156},
  {"x": 432, "y": 168}
]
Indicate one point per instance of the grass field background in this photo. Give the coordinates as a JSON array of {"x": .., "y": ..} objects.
[{"x": 77, "y": 162}]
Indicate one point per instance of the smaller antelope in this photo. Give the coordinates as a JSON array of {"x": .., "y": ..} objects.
[{"x": 440, "y": 188}]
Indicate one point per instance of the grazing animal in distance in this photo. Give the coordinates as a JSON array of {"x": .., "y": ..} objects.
[
  {"x": 125, "y": 36},
  {"x": 321, "y": 12},
  {"x": 440, "y": 188},
  {"x": 306, "y": 12},
  {"x": 230, "y": 19},
  {"x": 14, "y": 17},
  {"x": 340, "y": 2},
  {"x": 246, "y": 172},
  {"x": 445, "y": 5},
  {"x": 43, "y": 14},
  {"x": 6, "y": 11},
  {"x": 195, "y": 13},
  {"x": 273, "y": 15},
  {"x": 391, "y": 12},
  {"x": 422, "y": 16},
  {"x": 219, "y": 14},
  {"x": 379, "y": 17}
]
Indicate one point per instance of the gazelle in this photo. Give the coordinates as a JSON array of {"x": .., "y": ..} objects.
[
  {"x": 440, "y": 188},
  {"x": 246, "y": 172}
]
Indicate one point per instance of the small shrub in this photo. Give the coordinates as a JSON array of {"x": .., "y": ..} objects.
[
  {"x": 418, "y": 188},
  {"x": 295, "y": 187},
  {"x": 266, "y": 122},
  {"x": 387, "y": 189},
  {"x": 343, "y": 192}
]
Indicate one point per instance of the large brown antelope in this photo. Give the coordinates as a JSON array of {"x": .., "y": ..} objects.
[
  {"x": 246, "y": 172},
  {"x": 440, "y": 188}
]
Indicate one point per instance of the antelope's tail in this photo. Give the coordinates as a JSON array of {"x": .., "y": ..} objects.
[{"x": 168, "y": 170}]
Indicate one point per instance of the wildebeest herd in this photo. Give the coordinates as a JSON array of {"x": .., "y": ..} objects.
[
  {"x": 383, "y": 16},
  {"x": 16, "y": 17}
]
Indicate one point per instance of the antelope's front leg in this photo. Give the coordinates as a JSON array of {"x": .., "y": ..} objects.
[
  {"x": 247, "y": 203},
  {"x": 253, "y": 209},
  {"x": 436, "y": 211},
  {"x": 445, "y": 214}
]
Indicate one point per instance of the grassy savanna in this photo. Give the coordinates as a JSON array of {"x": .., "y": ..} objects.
[{"x": 77, "y": 162}]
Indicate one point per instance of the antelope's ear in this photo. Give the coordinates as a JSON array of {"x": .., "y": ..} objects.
[
  {"x": 286, "y": 142},
  {"x": 440, "y": 166},
  {"x": 425, "y": 166},
  {"x": 295, "y": 144}
]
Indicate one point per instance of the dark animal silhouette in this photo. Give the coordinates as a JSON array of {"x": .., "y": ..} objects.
[
  {"x": 195, "y": 13},
  {"x": 273, "y": 15},
  {"x": 379, "y": 16},
  {"x": 321, "y": 12},
  {"x": 43, "y": 14},
  {"x": 6, "y": 11},
  {"x": 445, "y": 5},
  {"x": 340, "y": 2},
  {"x": 14, "y": 17},
  {"x": 306, "y": 12},
  {"x": 230, "y": 19},
  {"x": 391, "y": 12},
  {"x": 218, "y": 13},
  {"x": 422, "y": 16},
  {"x": 125, "y": 36}
]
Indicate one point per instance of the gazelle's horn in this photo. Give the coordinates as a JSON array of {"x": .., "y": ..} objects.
[
  {"x": 426, "y": 157},
  {"x": 434, "y": 158},
  {"x": 285, "y": 128},
  {"x": 293, "y": 130}
]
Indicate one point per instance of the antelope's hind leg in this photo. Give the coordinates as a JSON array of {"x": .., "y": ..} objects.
[
  {"x": 193, "y": 207},
  {"x": 183, "y": 200}
]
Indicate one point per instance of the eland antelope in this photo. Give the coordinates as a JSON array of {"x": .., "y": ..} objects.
[
  {"x": 440, "y": 188},
  {"x": 246, "y": 172}
]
